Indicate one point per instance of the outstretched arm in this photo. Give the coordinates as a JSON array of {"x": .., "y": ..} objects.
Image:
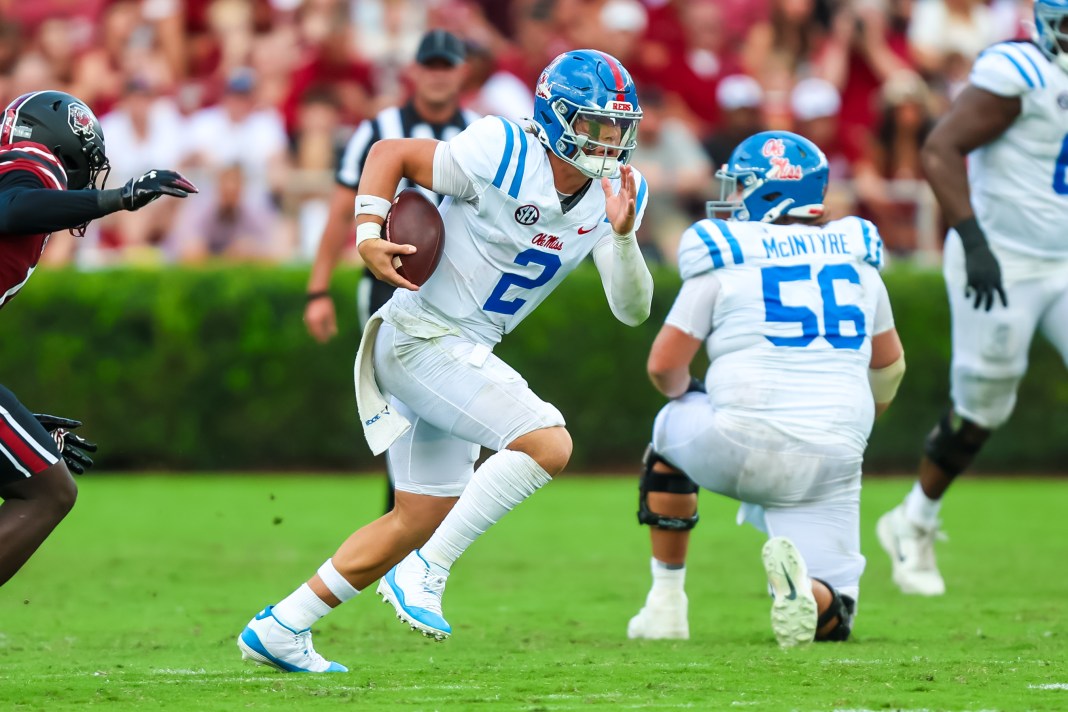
[{"x": 26, "y": 208}]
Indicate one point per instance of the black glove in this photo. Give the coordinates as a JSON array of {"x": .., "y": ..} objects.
[
  {"x": 139, "y": 192},
  {"x": 984, "y": 272},
  {"x": 72, "y": 447}
]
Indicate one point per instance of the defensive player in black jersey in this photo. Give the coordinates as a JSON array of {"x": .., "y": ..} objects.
[{"x": 51, "y": 155}]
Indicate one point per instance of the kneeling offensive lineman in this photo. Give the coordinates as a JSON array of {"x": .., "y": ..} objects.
[
  {"x": 800, "y": 335},
  {"x": 51, "y": 153}
]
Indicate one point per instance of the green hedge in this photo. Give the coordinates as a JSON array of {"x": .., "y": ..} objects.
[{"x": 212, "y": 369}]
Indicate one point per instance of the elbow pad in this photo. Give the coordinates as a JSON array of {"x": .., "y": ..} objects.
[{"x": 884, "y": 382}]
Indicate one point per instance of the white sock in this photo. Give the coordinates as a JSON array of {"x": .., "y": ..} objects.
[
  {"x": 668, "y": 579},
  {"x": 300, "y": 609},
  {"x": 504, "y": 480},
  {"x": 335, "y": 582},
  {"x": 921, "y": 509}
]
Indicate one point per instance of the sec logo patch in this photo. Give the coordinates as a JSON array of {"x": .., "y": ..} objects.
[{"x": 527, "y": 214}]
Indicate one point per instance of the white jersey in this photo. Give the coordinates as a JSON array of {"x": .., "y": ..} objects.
[
  {"x": 1019, "y": 181},
  {"x": 793, "y": 313},
  {"x": 512, "y": 244}
]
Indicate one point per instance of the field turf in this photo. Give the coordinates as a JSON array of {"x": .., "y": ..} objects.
[{"x": 135, "y": 602}]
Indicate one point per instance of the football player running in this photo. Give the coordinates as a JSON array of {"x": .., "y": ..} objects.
[
  {"x": 799, "y": 331},
  {"x": 1005, "y": 262},
  {"x": 51, "y": 154},
  {"x": 527, "y": 206}
]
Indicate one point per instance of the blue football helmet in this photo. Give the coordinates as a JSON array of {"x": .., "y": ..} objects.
[
  {"x": 1051, "y": 30},
  {"x": 770, "y": 175},
  {"x": 586, "y": 111}
]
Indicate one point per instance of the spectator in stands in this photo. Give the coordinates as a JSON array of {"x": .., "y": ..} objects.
[
  {"x": 888, "y": 178},
  {"x": 690, "y": 72},
  {"x": 815, "y": 104},
  {"x": 946, "y": 35},
  {"x": 230, "y": 223},
  {"x": 670, "y": 158},
  {"x": 238, "y": 131},
  {"x": 741, "y": 100},
  {"x": 142, "y": 132}
]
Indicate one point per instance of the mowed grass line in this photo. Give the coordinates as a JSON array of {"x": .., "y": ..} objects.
[{"x": 135, "y": 603}]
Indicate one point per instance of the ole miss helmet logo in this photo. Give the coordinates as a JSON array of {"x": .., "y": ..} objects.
[{"x": 81, "y": 120}]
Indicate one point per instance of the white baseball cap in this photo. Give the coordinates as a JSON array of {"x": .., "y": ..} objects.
[
  {"x": 739, "y": 91},
  {"x": 814, "y": 98}
]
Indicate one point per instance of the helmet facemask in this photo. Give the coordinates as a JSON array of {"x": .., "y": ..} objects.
[
  {"x": 1051, "y": 33},
  {"x": 596, "y": 141}
]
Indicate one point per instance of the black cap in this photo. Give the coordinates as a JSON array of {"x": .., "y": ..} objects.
[{"x": 439, "y": 44}]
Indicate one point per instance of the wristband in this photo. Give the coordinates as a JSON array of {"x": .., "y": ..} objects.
[
  {"x": 623, "y": 240},
  {"x": 372, "y": 205},
  {"x": 368, "y": 231},
  {"x": 312, "y": 296}
]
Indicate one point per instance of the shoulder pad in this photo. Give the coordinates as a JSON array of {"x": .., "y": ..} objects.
[
  {"x": 1009, "y": 69},
  {"x": 707, "y": 245},
  {"x": 493, "y": 152}
]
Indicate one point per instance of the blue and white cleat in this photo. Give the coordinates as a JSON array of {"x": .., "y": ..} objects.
[
  {"x": 268, "y": 641},
  {"x": 415, "y": 587},
  {"x": 794, "y": 611}
]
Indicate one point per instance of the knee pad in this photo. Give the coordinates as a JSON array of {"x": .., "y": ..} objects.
[
  {"x": 954, "y": 443},
  {"x": 677, "y": 483},
  {"x": 843, "y": 608}
]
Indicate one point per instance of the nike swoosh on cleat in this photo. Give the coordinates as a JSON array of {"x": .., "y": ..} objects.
[{"x": 793, "y": 589}]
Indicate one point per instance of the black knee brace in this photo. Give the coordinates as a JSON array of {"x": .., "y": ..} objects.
[
  {"x": 954, "y": 443},
  {"x": 842, "y": 608},
  {"x": 677, "y": 483}
]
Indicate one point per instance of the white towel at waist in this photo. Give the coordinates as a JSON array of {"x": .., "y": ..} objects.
[{"x": 381, "y": 424}]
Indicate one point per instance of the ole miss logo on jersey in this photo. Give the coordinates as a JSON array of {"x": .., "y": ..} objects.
[{"x": 551, "y": 242}]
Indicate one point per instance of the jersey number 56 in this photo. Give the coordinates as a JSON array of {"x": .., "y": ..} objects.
[{"x": 833, "y": 312}]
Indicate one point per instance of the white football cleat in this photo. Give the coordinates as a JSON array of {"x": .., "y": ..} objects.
[
  {"x": 794, "y": 611},
  {"x": 268, "y": 641},
  {"x": 663, "y": 617},
  {"x": 414, "y": 587},
  {"x": 911, "y": 551}
]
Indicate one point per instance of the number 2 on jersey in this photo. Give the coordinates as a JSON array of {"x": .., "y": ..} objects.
[
  {"x": 1060, "y": 170},
  {"x": 833, "y": 312},
  {"x": 550, "y": 264}
]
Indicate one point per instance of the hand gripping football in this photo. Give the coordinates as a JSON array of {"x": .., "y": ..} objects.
[{"x": 414, "y": 220}]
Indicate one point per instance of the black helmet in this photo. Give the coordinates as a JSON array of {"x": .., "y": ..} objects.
[{"x": 66, "y": 126}]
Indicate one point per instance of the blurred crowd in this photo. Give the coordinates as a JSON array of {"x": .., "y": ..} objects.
[{"x": 255, "y": 99}]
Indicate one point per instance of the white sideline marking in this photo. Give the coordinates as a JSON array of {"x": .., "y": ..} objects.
[{"x": 1050, "y": 686}]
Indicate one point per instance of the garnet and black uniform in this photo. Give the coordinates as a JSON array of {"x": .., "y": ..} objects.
[{"x": 31, "y": 180}]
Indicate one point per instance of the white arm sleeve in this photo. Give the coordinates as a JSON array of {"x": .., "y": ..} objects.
[
  {"x": 449, "y": 178},
  {"x": 694, "y": 307},
  {"x": 625, "y": 278}
]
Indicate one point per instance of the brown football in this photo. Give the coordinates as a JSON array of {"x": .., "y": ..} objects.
[{"x": 414, "y": 220}]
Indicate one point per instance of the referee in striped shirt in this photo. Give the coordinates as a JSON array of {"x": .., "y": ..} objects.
[{"x": 433, "y": 111}]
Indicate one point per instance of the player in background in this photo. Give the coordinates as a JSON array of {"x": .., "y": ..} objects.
[
  {"x": 51, "y": 154},
  {"x": 997, "y": 164},
  {"x": 804, "y": 354},
  {"x": 432, "y": 112},
  {"x": 527, "y": 206}
]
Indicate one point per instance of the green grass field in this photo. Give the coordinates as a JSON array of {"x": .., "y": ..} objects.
[{"x": 136, "y": 600}]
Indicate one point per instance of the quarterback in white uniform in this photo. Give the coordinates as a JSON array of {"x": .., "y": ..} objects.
[
  {"x": 1005, "y": 262},
  {"x": 800, "y": 335},
  {"x": 527, "y": 206}
]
